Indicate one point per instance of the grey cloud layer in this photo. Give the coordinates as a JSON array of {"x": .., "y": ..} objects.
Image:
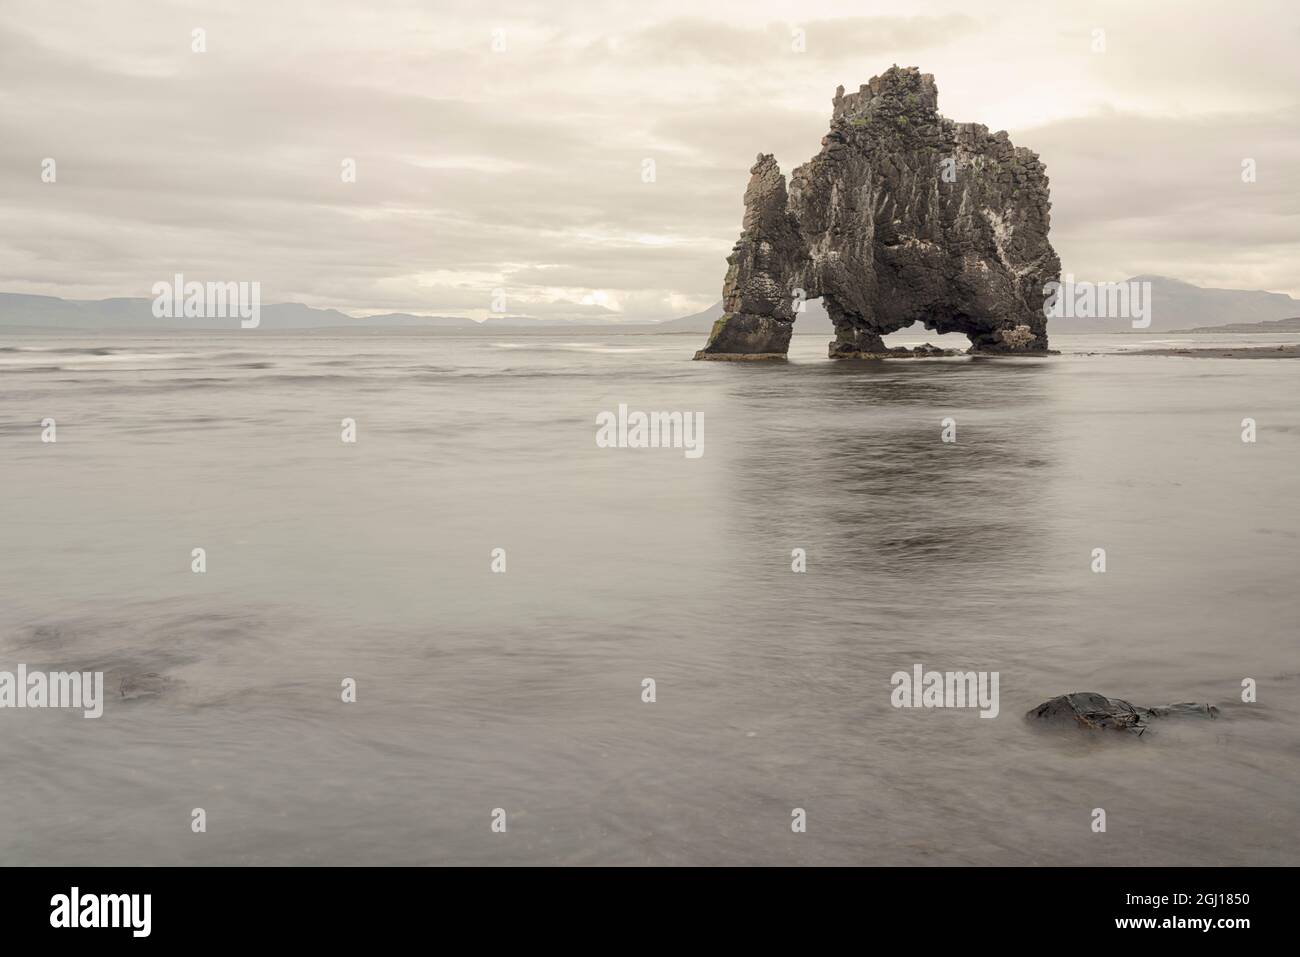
[{"x": 522, "y": 169}]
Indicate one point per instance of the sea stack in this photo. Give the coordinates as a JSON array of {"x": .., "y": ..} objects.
[{"x": 903, "y": 217}]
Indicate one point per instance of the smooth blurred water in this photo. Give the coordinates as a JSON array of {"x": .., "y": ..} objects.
[{"x": 523, "y": 690}]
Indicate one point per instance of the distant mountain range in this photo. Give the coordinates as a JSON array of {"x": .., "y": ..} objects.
[
  {"x": 1251, "y": 328},
  {"x": 48, "y": 312},
  {"x": 1177, "y": 306}
]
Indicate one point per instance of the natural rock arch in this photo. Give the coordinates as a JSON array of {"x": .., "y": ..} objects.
[{"x": 903, "y": 217}]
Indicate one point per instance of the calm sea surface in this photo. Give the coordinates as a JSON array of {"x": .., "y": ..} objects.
[{"x": 522, "y": 690}]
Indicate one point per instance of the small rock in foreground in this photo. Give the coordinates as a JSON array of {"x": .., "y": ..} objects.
[{"x": 1091, "y": 710}]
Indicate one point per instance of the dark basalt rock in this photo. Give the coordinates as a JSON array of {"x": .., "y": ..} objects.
[
  {"x": 1087, "y": 709},
  {"x": 873, "y": 227},
  {"x": 846, "y": 351}
]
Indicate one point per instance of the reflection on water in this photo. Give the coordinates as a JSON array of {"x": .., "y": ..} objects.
[{"x": 523, "y": 690}]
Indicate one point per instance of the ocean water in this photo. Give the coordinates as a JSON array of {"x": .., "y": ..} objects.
[{"x": 523, "y": 691}]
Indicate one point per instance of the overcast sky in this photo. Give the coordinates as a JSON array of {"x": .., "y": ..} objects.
[{"x": 521, "y": 169}]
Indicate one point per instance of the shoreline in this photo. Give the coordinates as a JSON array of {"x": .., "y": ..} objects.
[{"x": 1220, "y": 352}]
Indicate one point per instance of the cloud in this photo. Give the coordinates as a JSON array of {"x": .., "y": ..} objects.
[
  {"x": 824, "y": 40},
  {"x": 1165, "y": 195},
  {"x": 522, "y": 169}
]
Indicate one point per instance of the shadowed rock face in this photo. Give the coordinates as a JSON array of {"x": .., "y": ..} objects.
[{"x": 903, "y": 217}]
